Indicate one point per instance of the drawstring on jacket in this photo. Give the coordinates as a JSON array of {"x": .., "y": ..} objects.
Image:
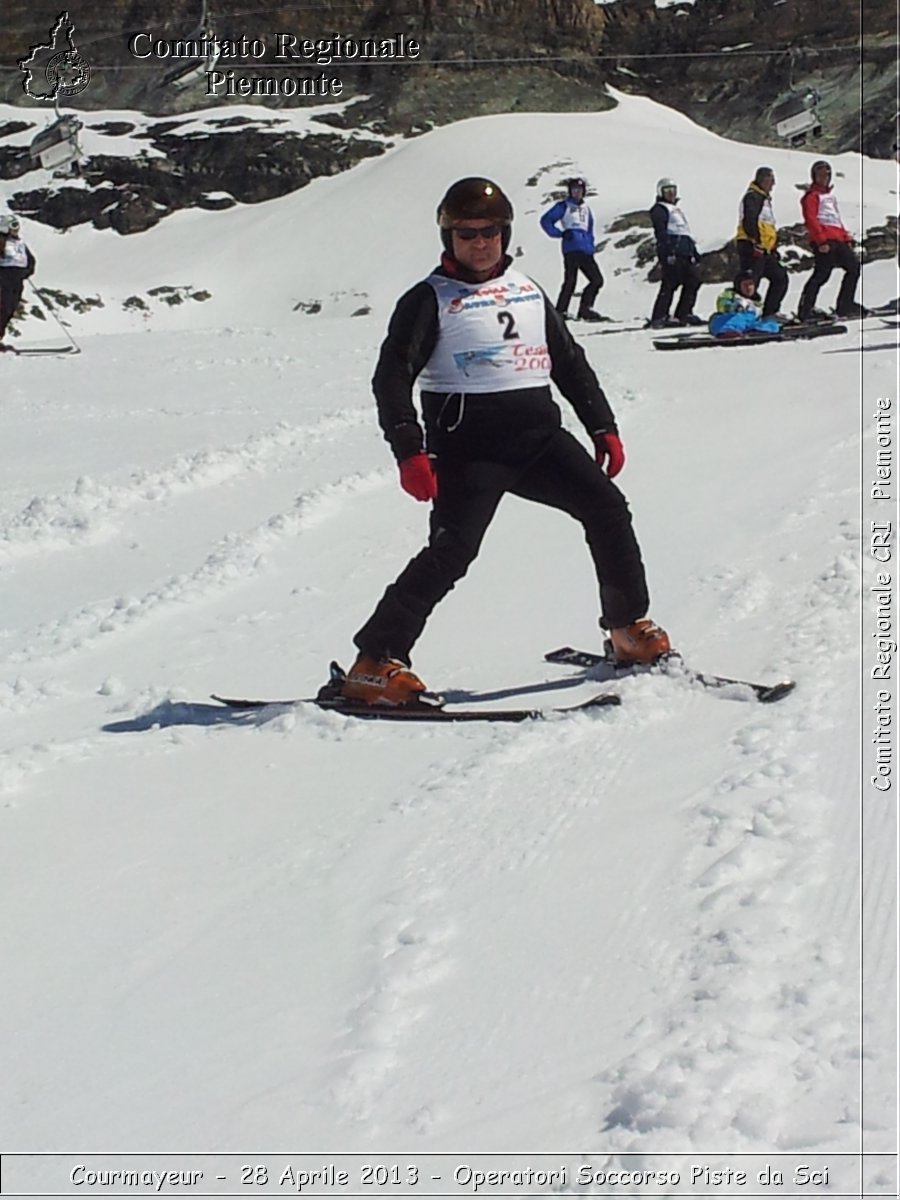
[{"x": 462, "y": 410}]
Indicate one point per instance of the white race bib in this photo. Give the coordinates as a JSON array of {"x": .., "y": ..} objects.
[
  {"x": 15, "y": 254},
  {"x": 492, "y": 336}
]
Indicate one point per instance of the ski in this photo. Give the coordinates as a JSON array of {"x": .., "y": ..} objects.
[
  {"x": 829, "y": 318},
  {"x": 590, "y": 332},
  {"x": 883, "y": 310},
  {"x": 435, "y": 713},
  {"x": 26, "y": 351},
  {"x": 675, "y": 666},
  {"x": 788, "y": 333}
]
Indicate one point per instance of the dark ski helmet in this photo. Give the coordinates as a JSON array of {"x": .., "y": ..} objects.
[
  {"x": 742, "y": 277},
  {"x": 470, "y": 198},
  {"x": 576, "y": 182},
  {"x": 819, "y": 163}
]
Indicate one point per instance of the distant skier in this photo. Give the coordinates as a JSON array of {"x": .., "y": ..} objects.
[
  {"x": 484, "y": 342},
  {"x": 832, "y": 245},
  {"x": 678, "y": 259},
  {"x": 16, "y": 265},
  {"x": 737, "y": 310},
  {"x": 572, "y": 221},
  {"x": 757, "y": 240}
]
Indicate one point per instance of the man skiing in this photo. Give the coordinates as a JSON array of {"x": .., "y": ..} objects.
[
  {"x": 16, "y": 265},
  {"x": 832, "y": 245},
  {"x": 757, "y": 240},
  {"x": 678, "y": 259},
  {"x": 572, "y": 221},
  {"x": 484, "y": 343}
]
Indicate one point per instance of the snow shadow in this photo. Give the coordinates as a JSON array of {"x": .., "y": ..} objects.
[{"x": 173, "y": 712}]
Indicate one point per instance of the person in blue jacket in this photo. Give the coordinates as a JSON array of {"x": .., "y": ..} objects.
[{"x": 572, "y": 221}]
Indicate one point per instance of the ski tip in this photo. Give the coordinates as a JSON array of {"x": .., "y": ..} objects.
[
  {"x": 238, "y": 702},
  {"x": 777, "y": 691},
  {"x": 552, "y": 655}
]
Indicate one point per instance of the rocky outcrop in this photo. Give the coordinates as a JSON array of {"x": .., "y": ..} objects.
[{"x": 187, "y": 170}]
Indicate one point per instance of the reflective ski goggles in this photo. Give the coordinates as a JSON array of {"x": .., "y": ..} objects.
[{"x": 483, "y": 231}]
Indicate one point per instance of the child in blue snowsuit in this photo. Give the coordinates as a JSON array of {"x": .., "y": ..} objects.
[{"x": 737, "y": 312}]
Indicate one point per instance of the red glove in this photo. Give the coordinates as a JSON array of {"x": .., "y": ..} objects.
[
  {"x": 418, "y": 478},
  {"x": 609, "y": 445}
]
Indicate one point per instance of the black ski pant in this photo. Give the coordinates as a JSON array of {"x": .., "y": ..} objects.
[
  {"x": 573, "y": 262},
  {"x": 682, "y": 273},
  {"x": 840, "y": 255},
  {"x": 765, "y": 266},
  {"x": 563, "y": 476},
  {"x": 10, "y": 295}
]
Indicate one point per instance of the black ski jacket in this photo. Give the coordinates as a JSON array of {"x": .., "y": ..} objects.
[{"x": 492, "y": 426}]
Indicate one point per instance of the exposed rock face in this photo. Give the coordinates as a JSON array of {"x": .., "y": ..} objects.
[
  {"x": 846, "y": 49},
  {"x": 210, "y": 170},
  {"x": 727, "y": 63},
  {"x": 712, "y": 60}
]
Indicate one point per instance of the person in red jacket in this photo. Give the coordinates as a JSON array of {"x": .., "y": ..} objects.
[
  {"x": 484, "y": 343},
  {"x": 832, "y": 245}
]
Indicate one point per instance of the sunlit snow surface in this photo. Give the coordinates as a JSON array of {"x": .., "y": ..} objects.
[{"x": 634, "y": 930}]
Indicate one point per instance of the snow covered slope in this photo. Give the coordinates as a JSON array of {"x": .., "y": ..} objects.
[
  {"x": 632, "y": 931},
  {"x": 356, "y": 240}
]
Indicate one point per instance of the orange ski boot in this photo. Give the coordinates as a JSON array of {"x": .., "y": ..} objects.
[
  {"x": 640, "y": 643},
  {"x": 381, "y": 681}
]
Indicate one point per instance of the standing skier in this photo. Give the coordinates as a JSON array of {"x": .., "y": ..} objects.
[
  {"x": 832, "y": 245},
  {"x": 678, "y": 259},
  {"x": 757, "y": 240},
  {"x": 572, "y": 221},
  {"x": 484, "y": 343},
  {"x": 16, "y": 264}
]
